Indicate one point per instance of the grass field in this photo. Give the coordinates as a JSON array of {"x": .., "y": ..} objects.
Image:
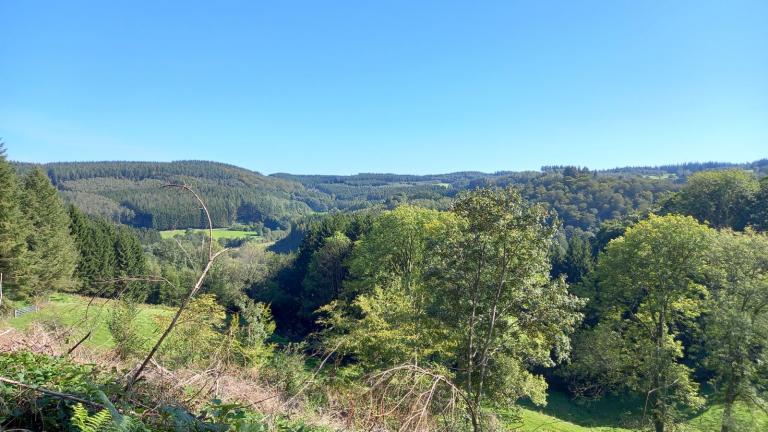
[
  {"x": 218, "y": 233},
  {"x": 71, "y": 312},
  {"x": 561, "y": 414}
]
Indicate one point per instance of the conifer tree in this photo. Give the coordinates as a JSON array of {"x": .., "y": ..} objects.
[
  {"x": 13, "y": 249},
  {"x": 129, "y": 262},
  {"x": 83, "y": 237},
  {"x": 95, "y": 240},
  {"x": 51, "y": 249}
]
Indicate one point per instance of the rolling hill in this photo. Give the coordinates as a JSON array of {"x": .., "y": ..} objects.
[{"x": 132, "y": 192}]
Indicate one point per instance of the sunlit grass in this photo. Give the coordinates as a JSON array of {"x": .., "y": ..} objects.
[
  {"x": 77, "y": 315},
  {"x": 218, "y": 233}
]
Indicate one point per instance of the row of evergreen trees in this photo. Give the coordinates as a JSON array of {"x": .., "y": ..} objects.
[
  {"x": 109, "y": 254},
  {"x": 45, "y": 246}
]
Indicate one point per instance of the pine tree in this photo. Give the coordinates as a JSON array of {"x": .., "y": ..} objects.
[
  {"x": 95, "y": 240},
  {"x": 13, "y": 228},
  {"x": 82, "y": 234},
  {"x": 129, "y": 262},
  {"x": 52, "y": 251}
]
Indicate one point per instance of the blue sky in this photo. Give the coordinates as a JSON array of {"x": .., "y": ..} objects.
[{"x": 386, "y": 86}]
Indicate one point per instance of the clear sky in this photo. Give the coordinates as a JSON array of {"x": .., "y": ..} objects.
[{"x": 385, "y": 86}]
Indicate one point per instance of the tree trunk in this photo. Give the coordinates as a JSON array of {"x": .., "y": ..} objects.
[
  {"x": 730, "y": 398},
  {"x": 474, "y": 419},
  {"x": 659, "y": 410}
]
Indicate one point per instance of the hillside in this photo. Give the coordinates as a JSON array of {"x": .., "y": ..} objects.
[
  {"x": 64, "y": 318},
  {"x": 132, "y": 192}
]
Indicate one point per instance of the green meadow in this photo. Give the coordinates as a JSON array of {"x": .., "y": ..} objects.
[
  {"x": 74, "y": 316},
  {"x": 218, "y": 233}
]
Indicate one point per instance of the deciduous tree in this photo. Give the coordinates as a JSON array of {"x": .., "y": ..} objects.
[
  {"x": 649, "y": 282},
  {"x": 736, "y": 338}
]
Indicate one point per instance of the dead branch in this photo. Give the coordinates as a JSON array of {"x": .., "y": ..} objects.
[
  {"x": 74, "y": 347},
  {"x": 311, "y": 379},
  {"x": 414, "y": 396},
  {"x": 205, "y": 209},
  {"x": 50, "y": 392},
  {"x": 211, "y": 258}
]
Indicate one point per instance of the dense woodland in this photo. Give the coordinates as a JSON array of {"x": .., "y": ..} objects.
[
  {"x": 131, "y": 192},
  {"x": 443, "y": 301}
]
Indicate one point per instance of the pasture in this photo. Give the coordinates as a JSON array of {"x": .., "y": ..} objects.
[{"x": 218, "y": 233}]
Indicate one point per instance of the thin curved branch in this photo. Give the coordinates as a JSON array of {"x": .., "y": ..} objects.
[
  {"x": 211, "y": 258},
  {"x": 189, "y": 189}
]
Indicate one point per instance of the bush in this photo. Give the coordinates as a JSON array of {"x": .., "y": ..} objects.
[
  {"x": 123, "y": 327},
  {"x": 37, "y": 411}
]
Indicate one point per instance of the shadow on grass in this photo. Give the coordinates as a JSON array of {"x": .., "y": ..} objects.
[{"x": 612, "y": 411}]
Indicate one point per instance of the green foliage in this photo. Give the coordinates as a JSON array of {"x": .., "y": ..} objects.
[
  {"x": 736, "y": 335},
  {"x": 132, "y": 193},
  {"x": 326, "y": 272},
  {"x": 257, "y": 327},
  {"x": 293, "y": 303},
  {"x": 14, "y": 257},
  {"x": 218, "y": 416},
  {"x": 500, "y": 300},
  {"x": 107, "y": 255},
  {"x": 124, "y": 328},
  {"x": 38, "y": 410},
  {"x": 759, "y": 211},
  {"x": 197, "y": 336},
  {"x": 287, "y": 369},
  {"x": 51, "y": 248},
  {"x": 470, "y": 289},
  {"x": 576, "y": 262},
  {"x": 84, "y": 422},
  {"x": 721, "y": 198},
  {"x": 649, "y": 287},
  {"x": 395, "y": 250},
  {"x": 383, "y": 316}
]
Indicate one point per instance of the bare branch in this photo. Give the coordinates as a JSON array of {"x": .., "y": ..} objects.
[
  {"x": 50, "y": 392},
  {"x": 205, "y": 209},
  {"x": 310, "y": 380},
  {"x": 211, "y": 258}
]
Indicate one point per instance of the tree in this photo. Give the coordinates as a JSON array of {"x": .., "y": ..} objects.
[
  {"x": 385, "y": 315},
  {"x": 468, "y": 290},
  {"x": 721, "y": 198},
  {"x": 395, "y": 250},
  {"x": 759, "y": 210},
  {"x": 95, "y": 242},
  {"x": 326, "y": 272},
  {"x": 285, "y": 289},
  {"x": 196, "y": 336},
  {"x": 129, "y": 262},
  {"x": 736, "y": 338},
  {"x": 13, "y": 232},
  {"x": 500, "y": 302},
  {"x": 648, "y": 285},
  {"x": 52, "y": 249},
  {"x": 257, "y": 327},
  {"x": 577, "y": 261},
  {"x": 124, "y": 328}
]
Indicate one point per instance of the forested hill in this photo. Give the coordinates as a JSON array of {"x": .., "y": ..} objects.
[
  {"x": 132, "y": 193},
  {"x": 582, "y": 198}
]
